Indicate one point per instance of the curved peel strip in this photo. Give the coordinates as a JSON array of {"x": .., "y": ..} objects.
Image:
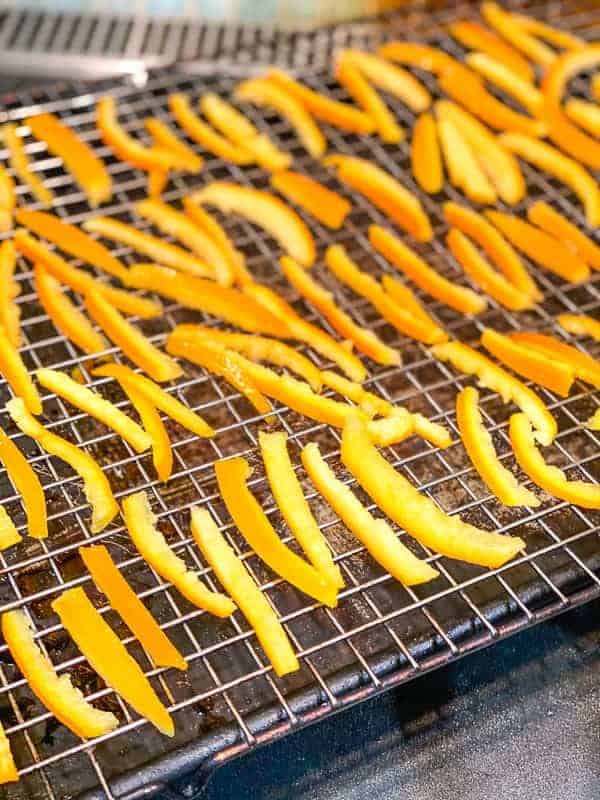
[
  {"x": 200, "y": 294},
  {"x": 462, "y": 167},
  {"x": 365, "y": 285},
  {"x": 550, "y": 478},
  {"x": 474, "y": 36},
  {"x": 67, "y": 319},
  {"x": 340, "y": 115},
  {"x": 491, "y": 241},
  {"x": 265, "y": 93},
  {"x": 19, "y": 161},
  {"x": 461, "y": 298},
  {"x": 359, "y": 88},
  {"x": 304, "y": 331},
  {"x": 554, "y": 223},
  {"x": 504, "y": 78},
  {"x": 232, "y": 476},
  {"x": 56, "y": 693},
  {"x": 95, "y": 483},
  {"x": 174, "y": 223},
  {"x": 498, "y": 163},
  {"x": 540, "y": 247},
  {"x": 15, "y": 372},
  {"x": 7, "y": 200},
  {"x": 108, "y": 656},
  {"x": 584, "y": 114},
  {"x": 127, "y": 604},
  {"x": 327, "y": 206},
  {"x": 294, "y": 508},
  {"x": 363, "y": 339},
  {"x": 9, "y": 535},
  {"x": 265, "y": 210},
  {"x": 565, "y": 169},
  {"x": 491, "y": 376},
  {"x": 131, "y": 341},
  {"x": 425, "y": 155},
  {"x": 555, "y": 36},
  {"x": 375, "y": 534},
  {"x": 166, "y": 138},
  {"x": 481, "y": 272},
  {"x": 92, "y": 403},
  {"x": 562, "y": 355},
  {"x": 580, "y": 325},
  {"x": 8, "y": 769},
  {"x": 385, "y": 192},
  {"x": 417, "y": 513},
  {"x": 77, "y": 156},
  {"x": 237, "y": 581},
  {"x": 512, "y": 30},
  {"x": 10, "y": 313},
  {"x": 72, "y": 240},
  {"x": 152, "y": 545},
  {"x": 404, "y": 297},
  {"x": 415, "y": 54},
  {"x": 391, "y": 79},
  {"x": 203, "y": 134},
  {"x": 480, "y": 449},
  {"x": 27, "y": 484}
]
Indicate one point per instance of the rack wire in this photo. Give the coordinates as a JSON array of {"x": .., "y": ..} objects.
[{"x": 381, "y": 633}]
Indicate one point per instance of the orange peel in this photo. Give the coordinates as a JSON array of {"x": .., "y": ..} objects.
[
  {"x": 501, "y": 76},
  {"x": 425, "y": 155},
  {"x": 7, "y": 200},
  {"x": 28, "y": 485},
  {"x": 462, "y": 167},
  {"x": 516, "y": 34},
  {"x": 584, "y": 114},
  {"x": 322, "y": 203},
  {"x": 564, "y": 356},
  {"x": 580, "y": 325},
  {"x": 15, "y": 372},
  {"x": 554, "y": 223},
  {"x": 391, "y": 79},
  {"x": 19, "y": 161},
  {"x": 165, "y": 138},
  {"x": 475, "y": 36},
  {"x": 10, "y": 313}
]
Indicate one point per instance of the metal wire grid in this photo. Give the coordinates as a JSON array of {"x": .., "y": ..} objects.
[{"x": 381, "y": 633}]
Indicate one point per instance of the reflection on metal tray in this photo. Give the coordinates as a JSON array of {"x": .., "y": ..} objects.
[{"x": 381, "y": 634}]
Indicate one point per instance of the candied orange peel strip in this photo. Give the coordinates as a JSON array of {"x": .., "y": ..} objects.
[
  {"x": 10, "y": 313},
  {"x": 554, "y": 223},
  {"x": 157, "y": 180},
  {"x": 166, "y": 138},
  {"x": 391, "y": 79},
  {"x": 504, "y": 78},
  {"x": 204, "y": 135},
  {"x": 252, "y": 522},
  {"x": 7, "y": 200},
  {"x": 420, "y": 516},
  {"x": 414, "y": 54},
  {"x": 425, "y": 155},
  {"x": 9, "y": 535},
  {"x": 95, "y": 483},
  {"x": 516, "y": 34},
  {"x": 108, "y": 656},
  {"x": 95, "y": 405},
  {"x": 375, "y": 534},
  {"x": 303, "y": 331},
  {"x": 131, "y": 341},
  {"x": 554, "y": 36},
  {"x": 461, "y": 298},
  {"x": 145, "y": 243},
  {"x": 66, "y": 317},
  {"x": 405, "y": 297},
  {"x": 237, "y": 581},
  {"x": 553, "y": 375},
  {"x": 339, "y": 115},
  {"x": 80, "y": 281},
  {"x": 549, "y": 477},
  {"x": 153, "y": 547},
  {"x": 584, "y": 114},
  {"x": 363, "y": 339},
  {"x": 265, "y": 210},
  {"x": 498, "y": 163},
  {"x": 561, "y": 130},
  {"x": 491, "y": 376},
  {"x": 480, "y": 449},
  {"x": 385, "y": 192},
  {"x": 464, "y": 171},
  {"x": 327, "y": 206},
  {"x": 593, "y": 422},
  {"x": 15, "y": 372},
  {"x": 475, "y": 36},
  {"x": 257, "y": 348},
  {"x": 238, "y": 129},
  {"x": 55, "y": 692},
  {"x": 109, "y": 579},
  {"x": 169, "y": 405},
  {"x": 565, "y": 169},
  {"x": 19, "y": 161},
  {"x": 200, "y": 294},
  {"x": 8, "y": 769},
  {"x": 562, "y": 355},
  {"x": 580, "y": 325},
  {"x": 77, "y": 156},
  {"x": 368, "y": 287},
  {"x": 266, "y": 93},
  {"x": 482, "y": 273},
  {"x": 175, "y": 223},
  {"x": 72, "y": 240},
  {"x": 540, "y": 247},
  {"x": 294, "y": 507},
  {"x": 496, "y": 247},
  {"x": 368, "y": 98},
  {"x": 28, "y": 485}
]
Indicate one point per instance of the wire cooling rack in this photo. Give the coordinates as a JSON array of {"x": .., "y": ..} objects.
[{"x": 381, "y": 633}]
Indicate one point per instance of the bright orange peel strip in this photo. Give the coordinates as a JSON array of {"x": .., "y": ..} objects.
[
  {"x": 19, "y": 161},
  {"x": 8, "y": 769},
  {"x": 562, "y": 355},
  {"x": 404, "y": 297},
  {"x": 327, "y": 206},
  {"x": 28, "y": 485},
  {"x": 425, "y": 155},
  {"x": 584, "y": 114},
  {"x": 464, "y": 171},
  {"x": 475, "y": 36},
  {"x": 15, "y": 372},
  {"x": 513, "y": 31},
  {"x": 505, "y": 79},
  {"x": 554, "y": 223},
  {"x": 7, "y": 200},
  {"x": 580, "y": 325},
  {"x": 391, "y": 79},
  {"x": 10, "y": 313},
  {"x": 165, "y": 137}
]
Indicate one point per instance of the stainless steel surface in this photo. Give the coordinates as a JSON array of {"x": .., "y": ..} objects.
[{"x": 381, "y": 634}]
